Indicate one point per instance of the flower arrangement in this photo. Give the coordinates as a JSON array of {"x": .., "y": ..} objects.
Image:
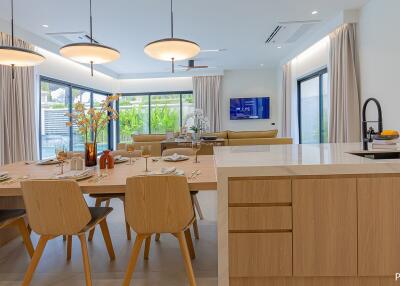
[
  {"x": 93, "y": 119},
  {"x": 197, "y": 122}
]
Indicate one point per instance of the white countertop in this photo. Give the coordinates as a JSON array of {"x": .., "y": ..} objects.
[{"x": 306, "y": 159}]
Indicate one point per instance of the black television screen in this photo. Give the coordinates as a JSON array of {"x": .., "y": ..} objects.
[{"x": 249, "y": 108}]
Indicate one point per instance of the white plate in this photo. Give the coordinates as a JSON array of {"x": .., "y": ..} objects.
[
  {"x": 48, "y": 162},
  {"x": 121, "y": 160},
  {"x": 4, "y": 178},
  {"x": 178, "y": 159},
  {"x": 84, "y": 177}
]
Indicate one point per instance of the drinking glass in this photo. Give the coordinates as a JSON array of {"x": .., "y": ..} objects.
[
  {"x": 196, "y": 145},
  {"x": 146, "y": 153},
  {"x": 61, "y": 156},
  {"x": 130, "y": 149}
]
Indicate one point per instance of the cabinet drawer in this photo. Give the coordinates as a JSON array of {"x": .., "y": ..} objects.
[
  {"x": 259, "y": 191},
  {"x": 260, "y": 254},
  {"x": 260, "y": 218}
]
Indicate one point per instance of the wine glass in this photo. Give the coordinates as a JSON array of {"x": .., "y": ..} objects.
[
  {"x": 130, "y": 149},
  {"x": 146, "y": 153},
  {"x": 196, "y": 145},
  {"x": 61, "y": 156}
]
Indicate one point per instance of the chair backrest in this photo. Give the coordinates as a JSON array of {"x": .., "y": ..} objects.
[
  {"x": 179, "y": 151},
  {"x": 55, "y": 207},
  {"x": 124, "y": 153},
  {"x": 206, "y": 149},
  {"x": 158, "y": 204}
]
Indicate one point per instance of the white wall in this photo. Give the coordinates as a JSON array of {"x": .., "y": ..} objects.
[
  {"x": 57, "y": 67},
  {"x": 153, "y": 85},
  {"x": 249, "y": 83},
  {"x": 379, "y": 51}
]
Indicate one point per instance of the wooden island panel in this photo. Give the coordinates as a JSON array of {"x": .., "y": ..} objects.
[
  {"x": 325, "y": 227},
  {"x": 379, "y": 226}
]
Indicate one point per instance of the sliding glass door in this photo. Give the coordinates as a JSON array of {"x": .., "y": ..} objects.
[{"x": 313, "y": 108}]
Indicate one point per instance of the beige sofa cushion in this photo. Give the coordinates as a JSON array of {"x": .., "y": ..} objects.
[
  {"x": 149, "y": 137},
  {"x": 252, "y": 134},
  {"x": 221, "y": 134},
  {"x": 260, "y": 141}
]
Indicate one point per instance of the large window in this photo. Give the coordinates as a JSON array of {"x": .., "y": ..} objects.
[
  {"x": 313, "y": 108},
  {"x": 153, "y": 113},
  {"x": 57, "y": 99}
]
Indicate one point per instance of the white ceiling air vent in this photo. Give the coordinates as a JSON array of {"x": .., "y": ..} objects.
[
  {"x": 289, "y": 32},
  {"x": 65, "y": 38}
]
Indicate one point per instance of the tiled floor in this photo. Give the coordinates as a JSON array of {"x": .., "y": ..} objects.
[{"x": 164, "y": 267}]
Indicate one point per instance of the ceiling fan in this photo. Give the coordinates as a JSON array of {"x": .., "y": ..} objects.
[{"x": 191, "y": 66}]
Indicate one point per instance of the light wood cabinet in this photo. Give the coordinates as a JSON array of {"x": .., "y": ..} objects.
[
  {"x": 379, "y": 226},
  {"x": 260, "y": 254},
  {"x": 260, "y": 218},
  {"x": 258, "y": 191},
  {"x": 324, "y": 227}
]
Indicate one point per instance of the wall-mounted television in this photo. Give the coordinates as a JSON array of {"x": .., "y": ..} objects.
[{"x": 250, "y": 108}]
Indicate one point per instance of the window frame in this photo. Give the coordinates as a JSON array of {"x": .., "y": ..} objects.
[
  {"x": 318, "y": 74},
  {"x": 149, "y": 94},
  {"x": 70, "y": 86}
]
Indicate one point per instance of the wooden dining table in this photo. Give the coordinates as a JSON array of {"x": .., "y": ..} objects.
[{"x": 112, "y": 180}]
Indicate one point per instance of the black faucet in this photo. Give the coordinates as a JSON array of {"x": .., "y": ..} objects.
[{"x": 367, "y": 134}]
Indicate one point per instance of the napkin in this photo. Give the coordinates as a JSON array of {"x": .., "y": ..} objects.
[
  {"x": 168, "y": 171},
  {"x": 46, "y": 161},
  {"x": 176, "y": 157},
  {"x": 3, "y": 174},
  {"x": 74, "y": 174}
]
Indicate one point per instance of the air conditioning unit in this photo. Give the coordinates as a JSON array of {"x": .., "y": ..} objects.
[
  {"x": 290, "y": 32},
  {"x": 65, "y": 38}
]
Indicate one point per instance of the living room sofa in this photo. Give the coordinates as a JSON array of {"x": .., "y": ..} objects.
[{"x": 232, "y": 138}]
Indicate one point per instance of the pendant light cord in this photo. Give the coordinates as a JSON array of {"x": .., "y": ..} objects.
[
  {"x": 91, "y": 21},
  {"x": 12, "y": 23},
  {"x": 172, "y": 22}
]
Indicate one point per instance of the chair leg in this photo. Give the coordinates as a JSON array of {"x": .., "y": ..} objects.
[
  {"x": 197, "y": 206},
  {"x": 147, "y": 248},
  {"x": 29, "y": 229},
  {"x": 69, "y": 247},
  {"x": 189, "y": 243},
  {"x": 85, "y": 258},
  {"x": 25, "y": 236},
  {"x": 157, "y": 237},
  {"x": 108, "y": 203},
  {"x": 186, "y": 258},
  {"x": 134, "y": 256},
  {"x": 35, "y": 260},
  {"x": 128, "y": 230},
  {"x": 91, "y": 233},
  {"x": 107, "y": 238},
  {"x": 196, "y": 229}
]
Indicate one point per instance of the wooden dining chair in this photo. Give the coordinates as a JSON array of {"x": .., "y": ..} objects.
[
  {"x": 57, "y": 208},
  {"x": 106, "y": 198},
  {"x": 159, "y": 204},
  {"x": 15, "y": 217},
  {"x": 196, "y": 204}
]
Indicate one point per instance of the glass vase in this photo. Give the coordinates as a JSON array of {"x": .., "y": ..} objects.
[{"x": 90, "y": 154}]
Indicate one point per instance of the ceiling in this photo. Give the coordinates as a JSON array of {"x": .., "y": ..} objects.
[{"x": 241, "y": 27}]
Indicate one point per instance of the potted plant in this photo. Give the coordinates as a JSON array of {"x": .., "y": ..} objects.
[
  {"x": 92, "y": 121},
  {"x": 197, "y": 123}
]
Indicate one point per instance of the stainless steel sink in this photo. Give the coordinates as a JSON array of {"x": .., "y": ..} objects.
[{"x": 382, "y": 155}]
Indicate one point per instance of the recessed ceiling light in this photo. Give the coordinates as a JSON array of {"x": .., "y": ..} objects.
[
  {"x": 314, "y": 12},
  {"x": 45, "y": 26},
  {"x": 279, "y": 47},
  {"x": 261, "y": 65}
]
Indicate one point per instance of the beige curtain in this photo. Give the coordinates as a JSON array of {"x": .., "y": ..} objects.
[
  {"x": 207, "y": 93},
  {"x": 287, "y": 100},
  {"x": 17, "y": 110},
  {"x": 344, "y": 124}
]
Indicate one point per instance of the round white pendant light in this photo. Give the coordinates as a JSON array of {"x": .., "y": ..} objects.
[
  {"x": 15, "y": 56},
  {"x": 172, "y": 49},
  {"x": 90, "y": 53}
]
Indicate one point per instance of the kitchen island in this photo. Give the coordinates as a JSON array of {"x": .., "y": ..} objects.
[{"x": 307, "y": 215}]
